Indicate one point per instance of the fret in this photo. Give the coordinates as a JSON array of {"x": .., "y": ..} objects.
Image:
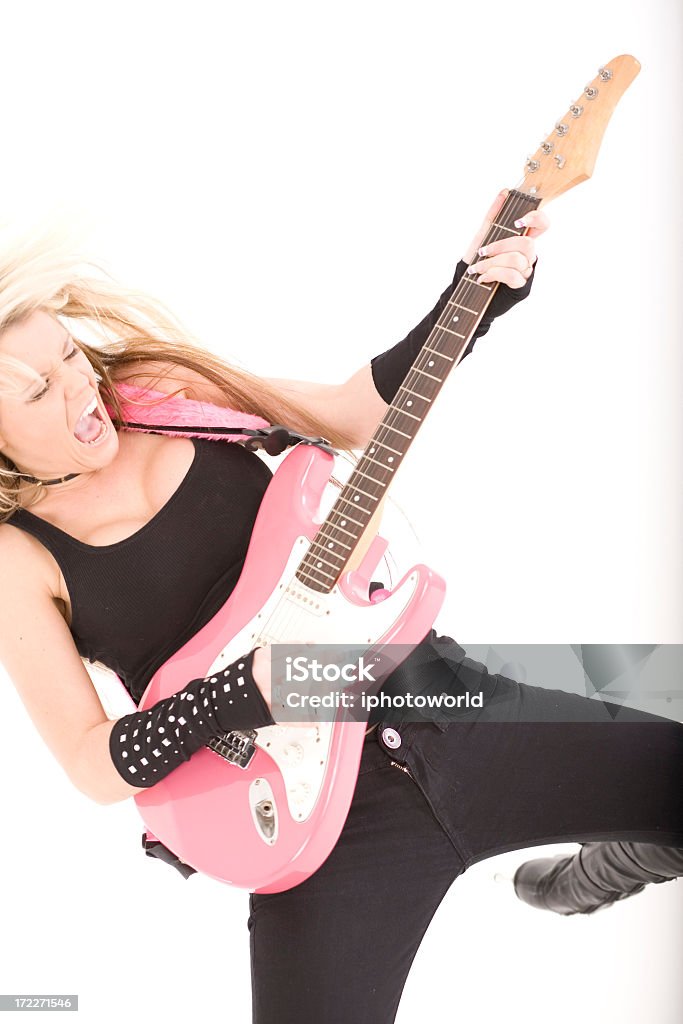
[
  {"x": 318, "y": 585},
  {"x": 426, "y": 348},
  {"x": 417, "y": 393},
  {"x": 383, "y": 445},
  {"x": 327, "y": 549},
  {"x": 428, "y": 374},
  {"x": 310, "y": 580},
  {"x": 337, "y": 541},
  {"x": 321, "y": 561},
  {"x": 349, "y": 532},
  {"x": 367, "y": 475},
  {"x": 451, "y": 332},
  {"x": 404, "y": 413},
  {"x": 382, "y": 464},
  {"x": 504, "y": 227},
  {"x": 322, "y": 573},
  {"x": 353, "y": 504},
  {"x": 397, "y": 431},
  {"x": 366, "y": 493},
  {"x": 326, "y": 554},
  {"x": 346, "y": 517},
  {"x": 467, "y": 309}
]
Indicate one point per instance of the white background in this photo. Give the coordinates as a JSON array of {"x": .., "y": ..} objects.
[{"x": 297, "y": 181}]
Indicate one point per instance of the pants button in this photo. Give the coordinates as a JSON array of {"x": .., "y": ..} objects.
[{"x": 391, "y": 738}]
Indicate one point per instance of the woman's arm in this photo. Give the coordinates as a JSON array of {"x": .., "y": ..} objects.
[
  {"x": 358, "y": 404},
  {"x": 99, "y": 756},
  {"x": 40, "y": 657},
  {"x": 355, "y": 406}
]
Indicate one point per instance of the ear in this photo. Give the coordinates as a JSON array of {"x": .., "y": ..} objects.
[{"x": 3, "y": 439}]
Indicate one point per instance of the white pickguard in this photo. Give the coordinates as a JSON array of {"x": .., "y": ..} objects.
[{"x": 294, "y": 613}]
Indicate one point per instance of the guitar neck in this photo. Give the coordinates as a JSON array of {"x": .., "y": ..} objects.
[{"x": 342, "y": 530}]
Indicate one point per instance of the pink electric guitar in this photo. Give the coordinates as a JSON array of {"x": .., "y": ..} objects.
[{"x": 263, "y": 810}]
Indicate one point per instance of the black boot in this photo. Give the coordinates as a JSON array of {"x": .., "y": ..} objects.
[{"x": 597, "y": 876}]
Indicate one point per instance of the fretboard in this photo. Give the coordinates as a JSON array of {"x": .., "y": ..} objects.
[{"x": 339, "y": 534}]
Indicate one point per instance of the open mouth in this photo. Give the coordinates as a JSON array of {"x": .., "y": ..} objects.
[{"x": 91, "y": 428}]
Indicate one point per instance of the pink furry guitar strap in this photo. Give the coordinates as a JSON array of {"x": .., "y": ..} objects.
[{"x": 155, "y": 412}]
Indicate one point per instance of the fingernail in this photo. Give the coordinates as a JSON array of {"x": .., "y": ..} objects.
[
  {"x": 520, "y": 223},
  {"x": 482, "y": 251}
]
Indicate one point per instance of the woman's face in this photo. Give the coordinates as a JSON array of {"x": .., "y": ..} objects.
[{"x": 45, "y": 429}]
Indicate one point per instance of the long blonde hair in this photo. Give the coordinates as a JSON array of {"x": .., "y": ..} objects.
[{"x": 41, "y": 271}]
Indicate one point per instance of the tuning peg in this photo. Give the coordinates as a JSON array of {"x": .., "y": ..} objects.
[
  {"x": 532, "y": 165},
  {"x": 575, "y": 110},
  {"x": 547, "y": 147},
  {"x": 561, "y": 128},
  {"x": 590, "y": 92},
  {"x": 605, "y": 74}
]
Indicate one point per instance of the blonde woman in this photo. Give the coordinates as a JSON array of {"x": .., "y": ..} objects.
[{"x": 88, "y": 515}]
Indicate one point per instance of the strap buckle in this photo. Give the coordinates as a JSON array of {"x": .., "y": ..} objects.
[
  {"x": 276, "y": 438},
  {"x": 153, "y": 847}
]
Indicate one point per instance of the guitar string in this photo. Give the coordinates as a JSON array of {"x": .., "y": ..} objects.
[
  {"x": 516, "y": 205},
  {"x": 286, "y": 617},
  {"x": 391, "y": 420},
  {"x": 288, "y": 621}
]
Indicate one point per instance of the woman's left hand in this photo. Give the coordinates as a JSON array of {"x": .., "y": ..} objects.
[{"x": 509, "y": 260}]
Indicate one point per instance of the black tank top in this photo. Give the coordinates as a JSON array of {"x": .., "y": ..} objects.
[{"x": 134, "y": 603}]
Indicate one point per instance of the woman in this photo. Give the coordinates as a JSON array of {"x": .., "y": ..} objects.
[{"x": 90, "y": 514}]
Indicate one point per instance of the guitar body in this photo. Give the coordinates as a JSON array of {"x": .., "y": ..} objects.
[{"x": 267, "y": 826}]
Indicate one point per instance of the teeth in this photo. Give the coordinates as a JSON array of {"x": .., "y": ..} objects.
[{"x": 90, "y": 408}]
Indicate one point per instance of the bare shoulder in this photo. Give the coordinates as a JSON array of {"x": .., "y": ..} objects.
[
  {"x": 40, "y": 658},
  {"x": 14, "y": 549},
  {"x": 26, "y": 563}
]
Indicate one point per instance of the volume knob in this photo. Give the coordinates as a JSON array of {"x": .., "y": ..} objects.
[
  {"x": 300, "y": 792},
  {"x": 293, "y": 753}
]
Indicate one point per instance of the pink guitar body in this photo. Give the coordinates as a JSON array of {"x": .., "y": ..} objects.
[{"x": 266, "y": 827}]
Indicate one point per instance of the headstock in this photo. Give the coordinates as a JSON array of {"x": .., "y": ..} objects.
[{"x": 568, "y": 155}]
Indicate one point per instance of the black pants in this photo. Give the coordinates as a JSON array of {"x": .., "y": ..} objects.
[{"x": 534, "y": 767}]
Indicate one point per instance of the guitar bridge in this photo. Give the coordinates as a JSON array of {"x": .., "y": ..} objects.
[{"x": 237, "y": 748}]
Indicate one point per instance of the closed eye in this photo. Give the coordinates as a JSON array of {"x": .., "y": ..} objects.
[{"x": 74, "y": 352}]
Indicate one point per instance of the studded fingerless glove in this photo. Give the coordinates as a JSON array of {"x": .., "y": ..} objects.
[
  {"x": 389, "y": 369},
  {"x": 145, "y": 746}
]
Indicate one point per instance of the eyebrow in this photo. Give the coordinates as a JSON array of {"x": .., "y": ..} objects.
[{"x": 64, "y": 346}]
